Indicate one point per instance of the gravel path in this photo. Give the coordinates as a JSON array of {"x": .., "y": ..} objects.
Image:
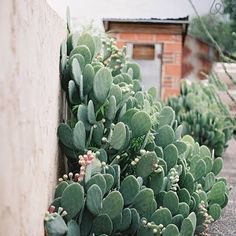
[{"x": 226, "y": 225}]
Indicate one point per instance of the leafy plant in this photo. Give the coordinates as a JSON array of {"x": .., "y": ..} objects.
[
  {"x": 201, "y": 116},
  {"x": 131, "y": 171}
]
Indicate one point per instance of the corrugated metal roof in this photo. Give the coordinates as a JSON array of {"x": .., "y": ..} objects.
[{"x": 182, "y": 20}]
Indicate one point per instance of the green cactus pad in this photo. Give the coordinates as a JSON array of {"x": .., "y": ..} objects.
[
  {"x": 140, "y": 98},
  {"x": 99, "y": 180},
  {"x": 98, "y": 133},
  {"x": 171, "y": 201},
  {"x": 144, "y": 203},
  {"x": 76, "y": 71},
  {"x": 159, "y": 151},
  {"x": 216, "y": 194},
  {"x": 209, "y": 163},
  {"x": 171, "y": 230},
  {"x": 116, "y": 92},
  {"x": 140, "y": 124},
  {"x": 81, "y": 61},
  {"x": 88, "y": 77},
  {"x": 184, "y": 195},
  {"x": 56, "y": 226},
  {"x": 102, "y": 156},
  {"x": 166, "y": 116},
  {"x": 187, "y": 228},
  {"x": 209, "y": 181},
  {"x": 109, "y": 181},
  {"x": 72, "y": 200},
  {"x": 200, "y": 169},
  {"x": 205, "y": 151},
  {"x": 162, "y": 216},
  {"x": 87, "y": 39},
  {"x": 86, "y": 222},
  {"x": 102, "y": 225},
  {"x": 111, "y": 109},
  {"x": 170, "y": 156},
  {"x": 65, "y": 135},
  {"x": 165, "y": 136},
  {"x": 177, "y": 220},
  {"x": 183, "y": 209},
  {"x": 129, "y": 189},
  {"x": 178, "y": 132},
  {"x": 60, "y": 188},
  {"x": 188, "y": 139},
  {"x": 136, "y": 70},
  {"x": 188, "y": 183},
  {"x": 94, "y": 199},
  {"x": 73, "y": 93},
  {"x": 113, "y": 204},
  {"x": 119, "y": 136},
  {"x": 102, "y": 84},
  {"x": 217, "y": 165},
  {"x": 56, "y": 203},
  {"x": 117, "y": 175},
  {"x": 193, "y": 218},
  {"x": 117, "y": 222},
  {"x": 84, "y": 51},
  {"x": 156, "y": 181},
  {"x": 91, "y": 113},
  {"x": 147, "y": 231},
  {"x": 79, "y": 135},
  {"x": 127, "y": 117},
  {"x": 135, "y": 221},
  {"x": 145, "y": 165},
  {"x": 73, "y": 228},
  {"x": 181, "y": 146},
  {"x": 214, "y": 211},
  {"x": 72, "y": 41},
  {"x": 153, "y": 92},
  {"x": 82, "y": 115},
  {"x": 126, "y": 219}
]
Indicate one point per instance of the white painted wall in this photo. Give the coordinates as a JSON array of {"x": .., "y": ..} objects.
[{"x": 30, "y": 38}]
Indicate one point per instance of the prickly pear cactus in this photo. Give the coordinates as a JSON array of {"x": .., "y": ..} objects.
[
  {"x": 203, "y": 116},
  {"x": 130, "y": 170}
]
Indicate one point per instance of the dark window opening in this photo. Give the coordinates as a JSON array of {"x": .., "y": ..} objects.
[{"x": 143, "y": 52}]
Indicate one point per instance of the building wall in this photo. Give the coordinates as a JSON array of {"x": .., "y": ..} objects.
[
  {"x": 30, "y": 39},
  {"x": 171, "y": 58},
  {"x": 198, "y": 58}
]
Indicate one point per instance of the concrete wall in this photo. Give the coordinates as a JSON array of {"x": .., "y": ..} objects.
[{"x": 30, "y": 39}]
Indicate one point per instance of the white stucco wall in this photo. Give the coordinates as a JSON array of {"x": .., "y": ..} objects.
[{"x": 30, "y": 37}]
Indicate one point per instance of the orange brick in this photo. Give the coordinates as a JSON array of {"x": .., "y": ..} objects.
[
  {"x": 164, "y": 37},
  {"x": 172, "y": 47},
  {"x": 145, "y": 37},
  {"x": 173, "y": 70},
  {"x": 167, "y": 92},
  {"x": 128, "y": 36}
]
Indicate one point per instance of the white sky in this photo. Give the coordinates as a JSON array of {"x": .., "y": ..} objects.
[{"x": 87, "y": 10}]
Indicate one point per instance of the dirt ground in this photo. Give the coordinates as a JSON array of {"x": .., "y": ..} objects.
[{"x": 226, "y": 225}]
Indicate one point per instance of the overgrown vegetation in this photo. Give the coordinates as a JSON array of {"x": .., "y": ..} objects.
[
  {"x": 130, "y": 170},
  {"x": 203, "y": 115},
  {"x": 220, "y": 29}
]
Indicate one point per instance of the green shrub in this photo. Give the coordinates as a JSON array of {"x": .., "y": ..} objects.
[
  {"x": 131, "y": 171},
  {"x": 202, "y": 117}
]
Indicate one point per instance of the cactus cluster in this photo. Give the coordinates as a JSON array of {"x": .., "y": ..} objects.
[
  {"x": 130, "y": 170},
  {"x": 202, "y": 116}
]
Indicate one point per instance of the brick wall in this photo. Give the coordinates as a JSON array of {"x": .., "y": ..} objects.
[
  {"x": 171, "y": 57},
  {"x": 198, "y": 58}
]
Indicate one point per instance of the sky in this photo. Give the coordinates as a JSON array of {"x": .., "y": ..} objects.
[{"x": 86, "y": 10}]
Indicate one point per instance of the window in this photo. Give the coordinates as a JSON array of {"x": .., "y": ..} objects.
[{"x": 143, "y": 52}]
